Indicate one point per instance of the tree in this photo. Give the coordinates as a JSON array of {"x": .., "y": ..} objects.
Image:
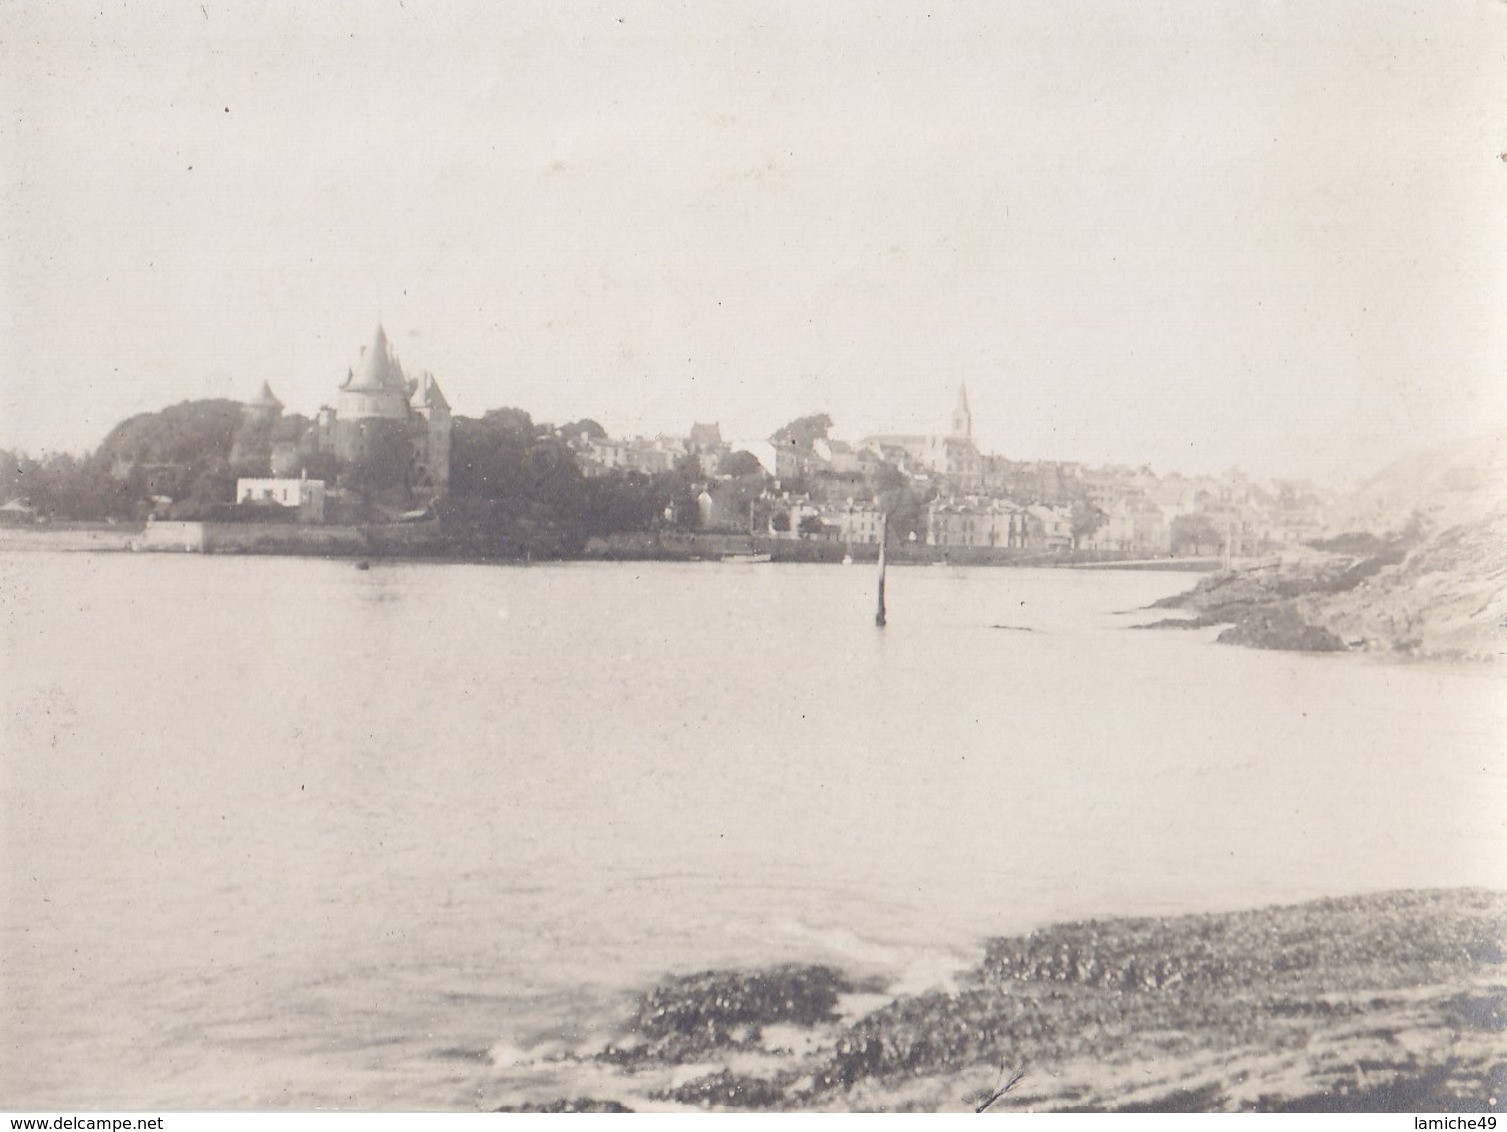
[
  {"x": 516, "y": 490},
  {"x": 60, "y": 486},
  {"x": 902, "y": 505},
  {"x": 620, "y": 502},
  {"x": 1086, "y": 518},
  {"x": 1196, "y": 534},
  {"x": 319, "y": 466},
  {"x": 194, "y": 433},
  {"x": 740, "y": 463},
  {"x": 683, "y": 484},
  {"x": 583, "y": 427},
  {"x": 812, "y": 526},
  {"x": 515, "y": 421},
  {"x": 780, "y": 521},
  {"x": 803, "y": 432}
]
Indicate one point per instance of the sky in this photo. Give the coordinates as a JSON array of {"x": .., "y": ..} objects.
[{"x": 1192, "y": 234}]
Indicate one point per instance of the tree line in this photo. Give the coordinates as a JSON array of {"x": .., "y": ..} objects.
[{"x": 516, "y": 487}]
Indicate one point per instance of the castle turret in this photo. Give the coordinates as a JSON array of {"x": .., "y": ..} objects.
[
  {"x": 371, "y": 416},
  {"x": 432, "y": 443},
  {"x": 250, "y": 448},
  {"x": 264, "y": 404},
  {"x": 376, "y": 387}
]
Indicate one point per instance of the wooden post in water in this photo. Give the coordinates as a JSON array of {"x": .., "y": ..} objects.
[{"x": 883, "y": 538}]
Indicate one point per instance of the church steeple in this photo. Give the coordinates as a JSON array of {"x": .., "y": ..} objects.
[{"x": 962, "y": 417}]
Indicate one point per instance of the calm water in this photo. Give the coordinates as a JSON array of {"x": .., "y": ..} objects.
[{"x": 279, "y": 832}]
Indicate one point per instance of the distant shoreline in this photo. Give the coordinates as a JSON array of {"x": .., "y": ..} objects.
[{"x": 420, "y": 542}]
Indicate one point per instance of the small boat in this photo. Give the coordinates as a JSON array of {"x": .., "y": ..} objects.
[
  {"x": 363, "y": 565},
  {"x": 748, "y": 558}
]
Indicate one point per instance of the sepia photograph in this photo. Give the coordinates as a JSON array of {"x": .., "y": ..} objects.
[{"x": 667, "y": 557}]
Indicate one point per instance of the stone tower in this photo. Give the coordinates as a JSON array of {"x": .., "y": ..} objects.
[
  {"x": 387, "y": 429},
  {"x": 371, "y": 412},
  {"x": 431, "y": 437},
  {"x": 251, "y": 447},
  {"x": 264, "y": 408}
]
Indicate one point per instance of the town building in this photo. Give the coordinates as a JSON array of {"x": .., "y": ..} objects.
[
  {"x": 1133, "y": 523},
  {"x": 858, "y": 522},
  {"x": 16, "y": 512},
  {"x": 600, "y": 455},
  {"x": 975, "y": 522}
]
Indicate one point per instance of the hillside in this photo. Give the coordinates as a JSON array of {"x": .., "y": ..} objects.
[
  {"x": 1417, "y": 564},
  {"x": 1447, "y": 597},
  {"x": 1437, "y": 488}
]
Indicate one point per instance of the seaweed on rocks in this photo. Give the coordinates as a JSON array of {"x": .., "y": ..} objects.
[
  {"x": 1385, "y": 1001},
  {"x": 579, "y": 1104},
  {"x": 1279, "y": 626},
  {"x": 729, "y": 1090},
  {"x": 690, "y": 1017},
  {"x": 917, "y": 1036},
  {"x": 1170, "y": 987}
]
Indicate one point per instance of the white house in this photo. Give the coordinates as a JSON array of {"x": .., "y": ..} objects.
[{"x": 302, "y": 495}]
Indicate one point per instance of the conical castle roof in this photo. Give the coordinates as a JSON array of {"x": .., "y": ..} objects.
[
  {"x": 378, "y": 370},
  {"x": 266, "y": 399},
  {"x": 429, "y": 395}
]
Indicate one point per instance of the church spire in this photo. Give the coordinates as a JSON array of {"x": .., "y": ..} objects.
[{"x": 962, "y": 416}]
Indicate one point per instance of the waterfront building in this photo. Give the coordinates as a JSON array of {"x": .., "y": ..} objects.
[
  {"x": 1049, "y": 528},
  {"x": 303, "y": 496},
  {"x": 860, "y": 522},
  {"x": 975, "y": 522},
  {"x": 1133, "y": 524}
]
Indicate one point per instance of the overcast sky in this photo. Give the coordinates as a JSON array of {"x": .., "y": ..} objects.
[{"x": 1193, "y": 234}]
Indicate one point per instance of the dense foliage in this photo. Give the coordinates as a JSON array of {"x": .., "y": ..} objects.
[
  {"x": 64, "y": 487},
  {"x": 192, "y": 433},
  {"x": 804, "y": 432},
  {"x": 516, "y": 489}
]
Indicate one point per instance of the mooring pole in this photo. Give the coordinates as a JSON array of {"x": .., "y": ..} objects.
[{"x": 883, "y": 538}]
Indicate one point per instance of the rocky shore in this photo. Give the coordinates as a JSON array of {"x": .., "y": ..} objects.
[
  {"x": 1440, "y": 594},
  {"x": 1388, "y": 1002}
]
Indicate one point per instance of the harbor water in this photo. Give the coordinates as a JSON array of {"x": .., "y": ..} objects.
[{"x": 279, "y": 833}]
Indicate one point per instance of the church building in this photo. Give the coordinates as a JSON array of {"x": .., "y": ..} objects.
[{"x": 952, "y": 456}]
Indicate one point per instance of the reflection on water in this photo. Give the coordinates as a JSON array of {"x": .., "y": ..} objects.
[{"x": 282, "y": 832}]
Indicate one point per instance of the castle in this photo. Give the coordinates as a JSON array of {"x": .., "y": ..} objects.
[{"x": 385, "y": 431}]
